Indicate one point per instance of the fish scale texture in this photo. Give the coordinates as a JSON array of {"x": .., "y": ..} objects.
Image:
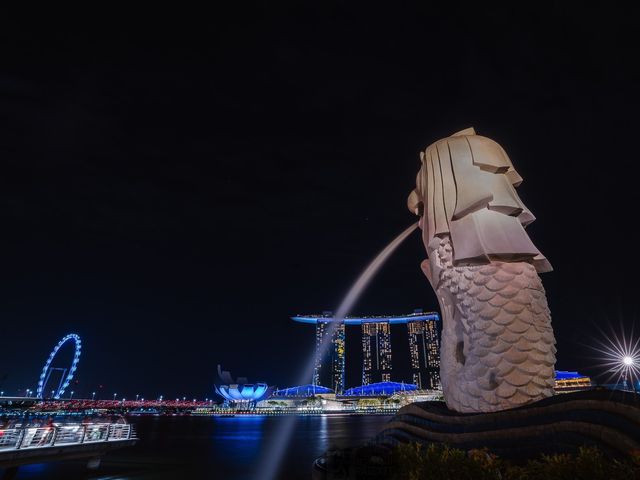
[{"x": 498, "y": 348}]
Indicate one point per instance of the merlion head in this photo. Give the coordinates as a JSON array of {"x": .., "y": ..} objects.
[{"x": 466, "y": 189}]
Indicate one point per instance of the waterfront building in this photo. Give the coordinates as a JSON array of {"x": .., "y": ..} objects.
[
  {"x": 303, "y": 391},
  {"x": 424, "y": 352},
  {"x": 380, "y": 389},
  {"x": 334, "y": 375},
  {"x": 571, "y": 382},
  {"x": 240, "y": 392},
  {"x": 304, "y": 399},
  {"x": 424, "y": 348},
  {"x": 376, "y": 352},
  {"x": 375, "y": 398}
]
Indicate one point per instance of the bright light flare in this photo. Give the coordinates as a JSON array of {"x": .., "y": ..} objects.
[{"x": 620, "y": 357}]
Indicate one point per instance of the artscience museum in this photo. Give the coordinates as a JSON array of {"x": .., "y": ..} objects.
[{"x": 240, "y": 392}]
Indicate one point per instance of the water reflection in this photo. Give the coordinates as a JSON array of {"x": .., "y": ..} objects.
[
  {"x": 238, "y": 438},
  {"x": 323, "y": 432},
  {"x": 220, "y": 447}
]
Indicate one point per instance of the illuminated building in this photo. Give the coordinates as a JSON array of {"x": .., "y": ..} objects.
[
  {"x": 380, "y": 389},
  {"x": 240, "y": 392},
  {"x": 376, "y": 352},
  {"x": 571, "y": 382},
  {"x": 424, "y": 352},
  {"x": 424, "y": 349},
  {"x": 303, "y": 391},
  {"x": 334, "y": 375}
]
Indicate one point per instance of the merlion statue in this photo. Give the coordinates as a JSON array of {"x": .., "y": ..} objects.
[{"x": 498, "y": 349}]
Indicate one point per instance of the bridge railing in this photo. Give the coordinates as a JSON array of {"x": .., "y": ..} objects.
[
  {"x": 119, "y": 431},
  {"x": 10, "y": 437},
  {"x": 57, "y": 435}
]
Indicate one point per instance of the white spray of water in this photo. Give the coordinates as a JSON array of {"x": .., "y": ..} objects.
[{"x": 273, "y": 455}]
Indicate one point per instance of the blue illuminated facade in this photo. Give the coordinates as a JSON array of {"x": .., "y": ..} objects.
[
  {"x": 308, "y": 390},
  {"x": 571, "y": 381},
  {"x": 379, "y": 389},
  {"x": 562, "y": 375},
  {"x": 240, "y": 391},
  {"x": 243, "y": 393}
]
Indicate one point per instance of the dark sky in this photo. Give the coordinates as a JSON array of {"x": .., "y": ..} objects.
[{"x": 173, "y": 189}]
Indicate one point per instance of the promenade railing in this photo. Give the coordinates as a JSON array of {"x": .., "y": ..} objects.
[{"x": 58, "y": 435}]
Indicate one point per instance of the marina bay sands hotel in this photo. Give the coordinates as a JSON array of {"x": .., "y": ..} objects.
[{"x": 424, "y": 348}]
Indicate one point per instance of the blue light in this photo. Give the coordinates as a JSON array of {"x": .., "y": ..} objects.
[
  {"x": 247, "y": 391},
  {"x": 74, "y": 365},
  {"x": 302, "y": 391},
  {"x": 381, "y": 388},
  {"x": 243, "y": 393},
  {"x": 260, "y": 390},
  {"x": 360, "y": 320},
  {"x": 564, "y": 375}
]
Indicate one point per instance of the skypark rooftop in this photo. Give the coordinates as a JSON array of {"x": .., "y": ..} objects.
[{"x": 327, "y": 317}]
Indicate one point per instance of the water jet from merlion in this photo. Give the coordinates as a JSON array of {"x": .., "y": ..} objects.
[{"x": 273, "y": 456}]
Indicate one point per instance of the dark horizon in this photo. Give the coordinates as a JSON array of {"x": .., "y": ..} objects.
[{"x": 174, "y": 191}]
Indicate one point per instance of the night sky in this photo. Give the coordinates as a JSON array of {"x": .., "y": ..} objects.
[{"x": 173, "y": 189}]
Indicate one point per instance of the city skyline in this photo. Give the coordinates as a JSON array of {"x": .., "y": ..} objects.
[
  {"x": 173, "y": 192},
  {"x": 423, "y": 342}
]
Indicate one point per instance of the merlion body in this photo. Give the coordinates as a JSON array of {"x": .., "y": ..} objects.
[{"x": 498, "y": 349}]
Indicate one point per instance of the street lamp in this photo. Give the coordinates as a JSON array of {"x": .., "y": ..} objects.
[
  {"x": 114, "y": 396},
  {"x": 629, "y": 367},
  {"x": 71, "y": 396},
  {"x": 137, "y": 395},
  {"x": 621, "y": 357},
  {"x": 93, "y": 396}
]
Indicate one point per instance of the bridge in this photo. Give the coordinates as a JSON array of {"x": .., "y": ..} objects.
[
  {"x": 52, "y": 405},
  {"x": 119, "y": 405}
]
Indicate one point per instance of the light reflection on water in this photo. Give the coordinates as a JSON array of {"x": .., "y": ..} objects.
[{"x": 221, "y": 447}]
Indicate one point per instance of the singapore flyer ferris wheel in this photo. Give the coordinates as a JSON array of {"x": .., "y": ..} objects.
[{"x": 67, "y": 373}]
